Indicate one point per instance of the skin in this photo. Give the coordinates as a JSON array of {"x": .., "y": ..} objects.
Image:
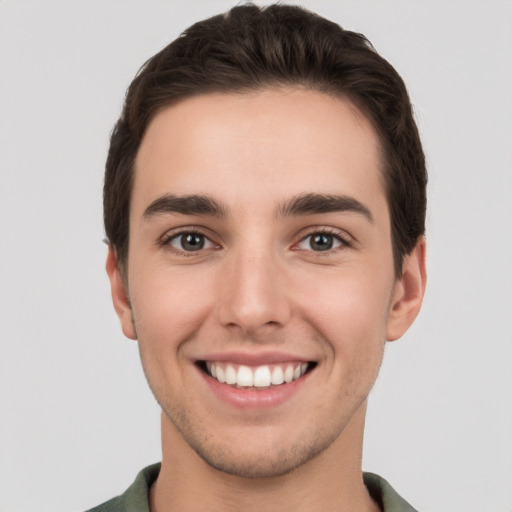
[{"x": 261, "y": 286}]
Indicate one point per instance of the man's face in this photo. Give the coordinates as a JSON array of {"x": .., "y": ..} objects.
[{"x": 260, "y": 251}]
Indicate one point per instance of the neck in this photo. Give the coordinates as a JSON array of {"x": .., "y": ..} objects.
[{"x": 330, "y": 481}]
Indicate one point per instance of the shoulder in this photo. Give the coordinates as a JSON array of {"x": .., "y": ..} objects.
[
  {"x": 386, "y": 497},
  {"x": 136, "y": 497}
]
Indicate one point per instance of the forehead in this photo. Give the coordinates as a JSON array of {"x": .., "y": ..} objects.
[{"x": 268, "y": 142}]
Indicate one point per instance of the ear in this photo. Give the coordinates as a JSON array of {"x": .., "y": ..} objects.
[
  {"x": 408, "y": 292},
  {"x": 120, "y": 296}
]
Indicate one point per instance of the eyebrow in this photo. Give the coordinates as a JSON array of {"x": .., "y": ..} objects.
[
  {"x": 303, "y": 204},
  {"x": 185, "y": 205},
  {"x": 309, "y": 204}
]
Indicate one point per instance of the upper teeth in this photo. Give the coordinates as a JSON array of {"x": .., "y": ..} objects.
[{"x": 259, "y": 377}]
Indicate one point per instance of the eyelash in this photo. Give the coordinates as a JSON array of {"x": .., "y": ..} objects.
[
  {"x": 166, "y": 241},
  {"x": 344, "y": 241}
]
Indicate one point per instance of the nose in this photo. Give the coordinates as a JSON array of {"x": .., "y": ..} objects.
[{"x": 253, "y": 294}]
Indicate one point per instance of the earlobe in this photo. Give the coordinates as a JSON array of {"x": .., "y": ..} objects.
[
  {"x": 120, "y": 296},
  {"x": 408, "y": 293}
]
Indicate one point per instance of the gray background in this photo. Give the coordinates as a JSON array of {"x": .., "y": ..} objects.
[{"x": 77, "y": 420}]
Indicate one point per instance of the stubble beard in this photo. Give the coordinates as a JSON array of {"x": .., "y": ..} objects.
[
  {"x": 272, "y": 460},
  {"x": 262, "y": 462}
]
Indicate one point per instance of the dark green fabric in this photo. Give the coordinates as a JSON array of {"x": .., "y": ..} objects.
[
  {"x": 382, "y": 492},
  {"x": 136, "y": 498}
]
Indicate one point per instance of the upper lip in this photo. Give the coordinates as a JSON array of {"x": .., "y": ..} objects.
[{"x": 254, "y": 358}]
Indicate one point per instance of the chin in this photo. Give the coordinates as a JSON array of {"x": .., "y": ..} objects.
[
  {"x": 255, "y": 465},
  {"x": 265, "y": 458}
]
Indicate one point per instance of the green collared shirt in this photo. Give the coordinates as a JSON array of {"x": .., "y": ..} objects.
[{"x": 136, "y": 498}]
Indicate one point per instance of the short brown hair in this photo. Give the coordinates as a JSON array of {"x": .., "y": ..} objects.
[{"x": 251, "y": 48}]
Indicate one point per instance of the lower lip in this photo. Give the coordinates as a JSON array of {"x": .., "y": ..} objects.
[{"x": 254, "y": 398}]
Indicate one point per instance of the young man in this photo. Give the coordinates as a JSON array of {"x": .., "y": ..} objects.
[{"x": 264, "y": 205}]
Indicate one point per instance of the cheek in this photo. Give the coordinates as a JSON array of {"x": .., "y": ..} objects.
[
  {"x": 167, "y": 313},
  {"x": 167, "y": 307},
  {"x": 350, "y": 310}
]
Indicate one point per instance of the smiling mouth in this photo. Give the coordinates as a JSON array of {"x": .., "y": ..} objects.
[{"x": 257, "y": 377}]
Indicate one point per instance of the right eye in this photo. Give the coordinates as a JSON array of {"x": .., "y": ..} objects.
[{"x": 190, "y": 242}]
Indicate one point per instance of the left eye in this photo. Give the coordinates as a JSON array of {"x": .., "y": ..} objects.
[
  {"x": 320, "y": 242},
  {"x": 190, "y": 242}
]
